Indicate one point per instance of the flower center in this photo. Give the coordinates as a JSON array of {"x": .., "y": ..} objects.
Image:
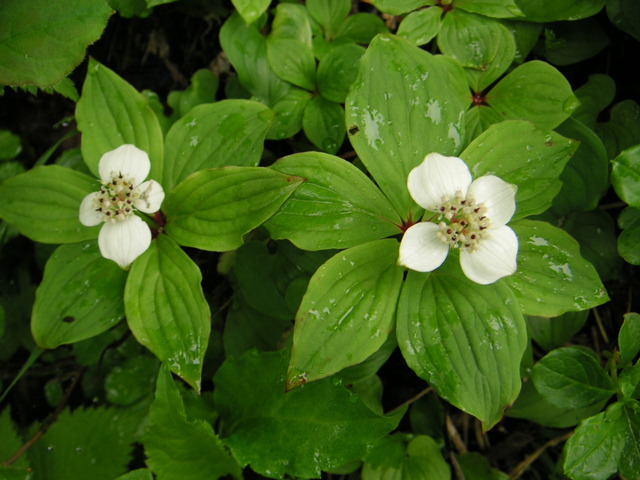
[
  {"x": 116, "y": 198},
  {"x": 462, "y": 222}
]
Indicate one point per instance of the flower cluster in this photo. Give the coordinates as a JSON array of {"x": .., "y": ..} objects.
[
  {"x": 468, "y": 215},
  {"x": 124, "y": 235}
]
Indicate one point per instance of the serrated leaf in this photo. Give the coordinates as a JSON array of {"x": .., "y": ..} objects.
[
  {"x": 585, "y": 177},
  {"x": 323, "y": 124},
  {"x": 337, "y": 71},
  {"x": 80, "y": 296},
  {"x": 625, "y": 176},
  {"x": 166, "y": 309},
  {"x": 44, "y": 204},
  {"x": 421, "y": 26},
  {"x": 11, "y": 443},
  {"x": 292, "y": 61},
  {"x": 448, "y": 327},
  {"x": 140, "y": 474},
  {"x": 555, "y": 10},
  {"x": 347, "y": 313},
  {"x": 250, "y": 10},
  {"x": 552, "y": 276},
  {"x": 336, "y": 207},
  {"x": 181, "y": 449},
  {"x": 88, "y": 443},
  {"x": 246, "y": 49},
  {"x": 300, "y": 433},
  {"x": 229, "y": 132},
  {"x": 111, "y": 113},
  {"x": 41, "y": 42},
  {"x": 629, "y": 338},
  {"x": 484, "y": 46},
  {"x": 534, "y": 91},
  {"x": 571, "y": 377},
  {"x": 212, "y": 209},
  {"x": 520, "y": 153},
  {"x": 404, "y": 104},
  {"x": 594, "y": 451}
]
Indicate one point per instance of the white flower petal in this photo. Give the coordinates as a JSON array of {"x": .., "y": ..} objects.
[
  {"x": 497, "y": 195},
  {"x": 124, "y": 241},
  {"x": 421, "y": 249},
  {"x": 438, "y": 176},
  {"x": 495, "y": 257},
  {"x": 151, "y": 197},
  {"x": 127, "y": 160},
  {"x": 89, "y": 217}
]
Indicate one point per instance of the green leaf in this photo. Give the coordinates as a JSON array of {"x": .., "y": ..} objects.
[
  {"x": 251, "y": 9},
  {"x": 140, "y": 474},
  {"x": 292, "y": 61},
  {"x": 629, "y": 463},
  {"x": 329, "y": 13},
  {"x": 361, "y": 28},
  {"x": 567, "y": 43},
  {"x": 203, "y": 88},
  {"x": 288, "y": 114},
  {"x": 526, "y": 36},
  {"x": 132, "y": 380},
  {"x": 181, "y": 449},
  {"x": 422, "y": 460},
  {"x": 44, "y": 204},
  {"x": 299, "y": 433},
  {"x": 531, "y": 405},
  {"x": 554, "y": 332},
  {"x": 336, "y": 207},
  {"x": 212, "y": 209},
  {"x": 594, "y": 451},
  {"x": 572, "y": 377},
  {"x": 484, "y": 46},
  {"x": 399, "y": 7},
  {"x": 347, "y": 313},
  {"x": 628, "y": 246},
  {"x": 629, "y": 381},
  {"x": 337, "y": 71},
  {"x": 625, "y": 15},
  {"x": 491, "y": 8},
  {"x": 475, "y": 466},
  {"x": 421, "y": 26},
  {"x": 623, "y": 128},
  {"x": 111, "y": 113},
  {"x": 625, "y": 176},
  {"x": 246, "y": 49},
  {"x": 534, "y": 91},
  {"x": 88, "y": 443},
  {"x": 552, "y": 276},
  {"x": 10, "y": 145},
  {"x": 594, "y": 96},
  {"x": 323, "y": 124},
  {"x": 585, "y": 177},
  {"x": 629, "y": 338},
  {"x": 521, "y": 153},
  {"x": 41, "y": 42},
  {"x": 229, "y": 132},
  {"x": 166, "y": 309},
  {"x": 554, "y": 10},
  {"x": 448, "y": 327},
  {"x": 11, "y": 443},
  {"x": 292, "y": 21},
  {"x": 392, "y": 134},
  {"x": 80, "y": 296}
]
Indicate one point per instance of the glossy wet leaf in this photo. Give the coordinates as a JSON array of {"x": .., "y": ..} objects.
[
  {"x": 179, "y": 448},
  {"x": 323, "y": 124},
  {"x": 80, "y": 296},
  {"x": 41, "y": 49},
  {"x": 421, "y": 26},
  {"x": 552, "y": 276},
  {"x": 166, "y": 309},
  {"x": 572, "y": 377},
  {"x": 347, "y": 312},
  {"x": 392, "y": 134},
  {"x": 448, "y": 327},
  {"x": 298, "y": 433},
  {"x": 336, "y": 207},
  {"x": 626, "y": 176},
  {"x": 44, "y": 204},
  {"x": 250, "y": 10},
  {"x": 212, "y": 209},
  {"x": 229, "y": 132},
  {"x": 522, "y": 154},
  {"x": 111, "y": 113},
  {"x": 485, "y": 47},
  {"x": 534, "y": 91}
]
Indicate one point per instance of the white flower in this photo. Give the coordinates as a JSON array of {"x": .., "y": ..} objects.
[
  {"x": 469, "y": 215},
  {"x": 124, "y": 236}
]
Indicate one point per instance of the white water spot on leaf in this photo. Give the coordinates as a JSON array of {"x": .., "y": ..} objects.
[
  {"x": 454, "y": 134},
  {"x": 494, "y": 324},
  {"x": 372, "y": 121},
  {"x": 434, "y": 112},
  {"x": 565, "y": 269},
  {"x": 314, "y": 313},
  {"x": 192, "y": 123},
  {"x": 194, "y": 141},
  {"x": 538, "y": 241}
]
